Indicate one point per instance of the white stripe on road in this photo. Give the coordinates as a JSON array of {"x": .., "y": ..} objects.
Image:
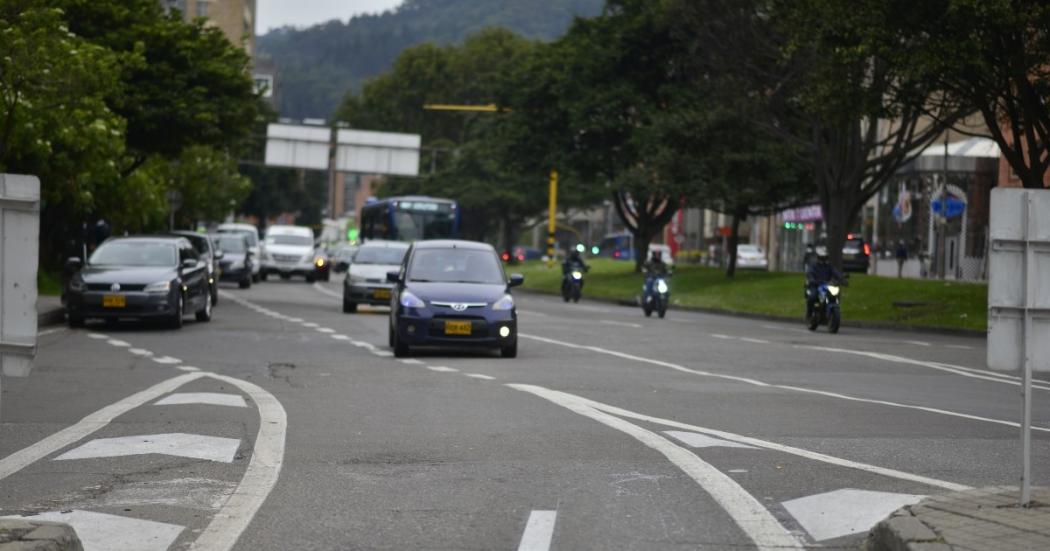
[
  {"x": 721, "y": 336},
  {"x": 381, "y": 353},
  {"x": 749, "y": 514},
  {"x": 140, "y": 352},
  {"x": 47, "y": 332},
  {"x": 480, "y": 376},
  {"x": 88, "y": 425},
  {"x": 756, "y": 341},
  {"x": 186, "y": 368},
  {"x": 958, "y": 346},
  {"x": 193, "y": 446},
  {"x": 309, "y": 324},
  {"x": 325, "y": 330},
  {"x": 621, "y": 323},
  {"x": 410, "y": 361},
  {"x": 340, "y": 337},
  {"x": 120, "y": 343},
  {"x": 103, "y": 532},
  {"x": 757, "y": 382},
  {"x": 166, "y": 360},
  {"x": 99, "y": 336},
  {"x": 320, "y": 288},
  {"x": 918, "y": 343},
  {"x": 697, "y": 440},
  {"x": 207, "y": 398},
  {"x": 442, "y": 369},
  {"x": 539, "y": 530}
]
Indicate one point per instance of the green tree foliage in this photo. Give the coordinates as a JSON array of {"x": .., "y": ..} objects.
[
  {"x": 207, "y": 181},
  {"x": 319, "y": 64}
]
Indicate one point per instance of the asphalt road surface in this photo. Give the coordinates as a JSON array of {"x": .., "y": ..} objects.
[{"x": 286, "y": 424}]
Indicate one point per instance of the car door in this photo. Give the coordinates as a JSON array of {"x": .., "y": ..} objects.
[{"x": 195, "y": 277}]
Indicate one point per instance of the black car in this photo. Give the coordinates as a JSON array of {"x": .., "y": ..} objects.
[
  {"x": 139, "y": 277},
  {"x": 856, "y": 254},
  {"x": 237, "y": 261},
  {"x": 453, "y": 294},
  {"x": 209, "y": 254}
]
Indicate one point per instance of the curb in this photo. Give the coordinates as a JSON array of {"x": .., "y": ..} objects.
[
  {"x": 951, "y": 331},
  {"x": 18, "y": 534},
  {"x": 53, "y": 316}
]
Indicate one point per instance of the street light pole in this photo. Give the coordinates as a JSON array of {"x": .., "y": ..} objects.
[{"x": 552, "y": 211}]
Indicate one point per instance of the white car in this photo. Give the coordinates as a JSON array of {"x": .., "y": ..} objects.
[
  {"x": 366, "y": 281},
  {"x": 751, "y": 257},
  {"x": 288, "y": 251},
  {"x": 253, "y": 243}
]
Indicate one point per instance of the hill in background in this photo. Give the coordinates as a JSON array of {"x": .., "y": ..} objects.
[{"x": 319, "y": 64}]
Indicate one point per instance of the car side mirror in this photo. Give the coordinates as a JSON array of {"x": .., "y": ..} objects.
[
  {"x": 515, "y": 280},
  {"x": 189, "y": 264},
  {"x": 219, "y": 254},
  {"x": 341, "y": 266},
  {"x": 393, "y": 277},
  {"x": 73, "y": 264}
]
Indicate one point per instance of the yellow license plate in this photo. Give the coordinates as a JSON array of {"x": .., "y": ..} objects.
[
  {"x": 114, "y": 301},
  {"x": 457, "y": 328},
  {"x": 381, "y": 293}
]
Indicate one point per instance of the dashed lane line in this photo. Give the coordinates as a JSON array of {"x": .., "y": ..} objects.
[
  {"x": 320, "y": 288},
  {"x": 118, "y": 342},
  {"x": 97, "y": 336},
  {"x": 442, "y": 369},
  {"x": 621, "y": 323},
  {"x": 51, "y": 331},
  {"x": 750, "y": 515},
  {"x": 539, "y": 530},
  {"x": 480, "y": 376},
  {"x": 410, "y": 361},
  {"x": 166, "y": 360}
]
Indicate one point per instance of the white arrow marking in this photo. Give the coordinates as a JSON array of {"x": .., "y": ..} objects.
[
  {"x": 210, "y": 398},
  {"x": 538, "y": 531},
  {"x": 697, "y": 440},
  {"x": 195, "y": 446},
  {"x": 101, "y": 532},
  {"x": 846, "y": 511}
]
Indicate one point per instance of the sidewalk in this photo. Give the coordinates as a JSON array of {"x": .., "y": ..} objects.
[
  {"x": 49, "y": 311},
  {"x": 982, "y": 519}
]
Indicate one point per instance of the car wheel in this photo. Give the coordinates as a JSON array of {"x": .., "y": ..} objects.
[
  {"x": 204, "y": 314},
  {"x": 310, "y": 278},
  {"x": 509, "y": 351},
  {"x": 214, "y": 294},
  {"x": 75, "y": 321},
  {"x": 400, "y": 349},
  {"x": 349, "y": 307},
  {"x": 176, "y": 319},
  {"x": 245, "y": 283},
  {"x": 390, "y": 336},
  {"x": 261, "y": 276}
]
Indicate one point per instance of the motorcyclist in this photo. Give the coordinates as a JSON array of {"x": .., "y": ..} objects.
[
  {"x": 817, "y": 273},
  {"x": 573, "y": 263},
  {"x": 654, "y": 268}
]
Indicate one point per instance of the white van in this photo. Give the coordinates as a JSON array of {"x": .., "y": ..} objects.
[
  {"x": 253, "y": 243},
  {"x": 288, "y": 251}
]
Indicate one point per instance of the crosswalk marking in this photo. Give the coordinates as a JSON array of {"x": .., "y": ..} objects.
[{"x": 194, "y": 446}]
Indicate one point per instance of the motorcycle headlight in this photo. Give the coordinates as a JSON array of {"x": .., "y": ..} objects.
[
  {"x": 577, "y": 275},
  {"x": 661, "y": 286},
  {"x": 833, "y": 290},
  {"x": 408, "y": 300},
  {"x": 77, "y": 284},
  {"x": 505, "y": 303},
  {"x": 158, "y": 287}
]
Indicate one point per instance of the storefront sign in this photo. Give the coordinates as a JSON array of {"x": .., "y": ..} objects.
[{"x": 808, "y": 213}]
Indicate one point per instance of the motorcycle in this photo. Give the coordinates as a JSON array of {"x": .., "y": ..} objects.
[
  {"x": 572, "y": 285},
  {"x": 656, "y": 295},
  {"x": 827, "y": 309}
]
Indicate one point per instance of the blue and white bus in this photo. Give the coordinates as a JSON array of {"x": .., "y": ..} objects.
[{"x": 409, "y": 218}]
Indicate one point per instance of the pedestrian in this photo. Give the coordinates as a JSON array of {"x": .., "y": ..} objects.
[{"x": 902, "y": 255}]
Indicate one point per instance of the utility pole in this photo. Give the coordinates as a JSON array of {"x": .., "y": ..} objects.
[{"x": 552, "y": 212}]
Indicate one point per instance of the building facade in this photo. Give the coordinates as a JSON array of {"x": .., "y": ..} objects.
[{"x": 235, "y": 18}]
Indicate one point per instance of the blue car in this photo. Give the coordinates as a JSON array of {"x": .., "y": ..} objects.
[{"x": 453, "y": 294}]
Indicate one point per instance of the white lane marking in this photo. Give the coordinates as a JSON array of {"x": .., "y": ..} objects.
[
  {"x": 749, "y": 514},
  {"x": 295, "y": 320},
  {"x": 918, "y": 343},
  {"x": 738, "y": 471},
  {"x": 442, "y": 369},
  {"x": 120, "y": 343},
  {"x": 140, "y": 352},
  {"x": 102, "y": 532},
  {"x": 325, "y": 330},
  {"x": 956, "y": 369},
  {"x": 362, "y": 344},
  {"x": 259, "y": 478},
  {"x": 480, "y": 376},
  {"x": 815, "y": 456},
  {"x": 620, "y": 323},
  {"x": 47, "y": 332},
  {"x": 93, "y": 422},
  {"x": 98, "y": 336},
  {"x": 846, "y": 511},
  {"x": 193, "y": 446},
  {"x": 320, "y": 289},
  {"x": 340, "y": 337},
  {"x": 209, "y": 398},
  {"x": 166, "y": 360},
  {"x": 186, "y": 368},
  {"x": 756, "y": 382},
  {"x": 681, "y": 320},
  {"x": 756, "y": 341},
  {"x": 410, "y": 361},
  {"x": 309, "y": 324},
  {"x": 697, "y": 440},
  {"x": 381, "y": 353},
  {"x": 958, "y": 346},
  {"x": 721, "y": 336},
  {"x": 539, "y": 530}
]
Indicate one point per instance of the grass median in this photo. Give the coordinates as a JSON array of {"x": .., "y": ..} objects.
[{"x": 904, "y": 302}]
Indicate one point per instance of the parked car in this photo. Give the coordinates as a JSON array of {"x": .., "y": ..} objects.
[
  {"x": 209, "y": 254},
  {"x": 365, "y": 281},
  {"x": 452, "y": 293},
  {"x": 237, "y": 261},
  {"x": 139, "y": 277},
  {"x": 253, "y": 243},
  {"x": 288, "y": 251},
  {"x": 751, "y": 257}
]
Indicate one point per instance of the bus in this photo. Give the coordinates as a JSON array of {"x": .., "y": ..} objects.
[{"x": 409, "y": 218}]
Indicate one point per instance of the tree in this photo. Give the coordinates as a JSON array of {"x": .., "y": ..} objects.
[{"x": 207, "y": 181}]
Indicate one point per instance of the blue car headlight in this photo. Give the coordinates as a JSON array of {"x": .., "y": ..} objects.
[
  {"x": 408, "y": 300},
  {"x": 505, "y": 303},
  {"x": 158, "y": 287}
]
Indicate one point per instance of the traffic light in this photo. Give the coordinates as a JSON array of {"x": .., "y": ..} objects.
[{"x": 352, "y": 234}]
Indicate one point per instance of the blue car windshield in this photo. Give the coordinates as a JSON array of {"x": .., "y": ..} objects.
[
  {"x": 134, "y": 253},
  {"x": 456, "y": 266}
]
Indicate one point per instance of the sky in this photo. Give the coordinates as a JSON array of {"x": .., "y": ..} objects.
[{"x": 271, "y": 14}]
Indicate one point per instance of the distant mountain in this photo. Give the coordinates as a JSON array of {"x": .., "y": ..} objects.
[{"x": 317, "y": 65}]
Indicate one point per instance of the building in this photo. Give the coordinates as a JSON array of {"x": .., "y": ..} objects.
[{"x": 235, "y": 18}]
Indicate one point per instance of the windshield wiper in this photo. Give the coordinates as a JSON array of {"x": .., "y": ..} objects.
[{"x": 421, "y": 280}]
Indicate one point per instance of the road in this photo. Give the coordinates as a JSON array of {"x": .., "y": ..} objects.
[{"x": 285, "y": 424}]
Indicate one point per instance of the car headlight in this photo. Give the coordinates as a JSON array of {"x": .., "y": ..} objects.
[
  {"x": 833, "y": 290},
  {"x": 158, "y": 287},
  {"x": 577, "y": 275},
  {"x": 319, "y": 262},
  {"x": 77, "y": 284},
  {"x": 505, "y": 303},
  {"x": 408, "y": 300},
  {"x": 661, "y": 286}
]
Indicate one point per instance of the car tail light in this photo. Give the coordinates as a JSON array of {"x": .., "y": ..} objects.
[
  {"x": 506, "y": 257},
  {"x": 521, "y": 258},
  {"x": 867, "y": 249}
]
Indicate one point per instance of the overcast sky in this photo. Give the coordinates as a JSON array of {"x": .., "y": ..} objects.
[{"x": 271, "y": 14}]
